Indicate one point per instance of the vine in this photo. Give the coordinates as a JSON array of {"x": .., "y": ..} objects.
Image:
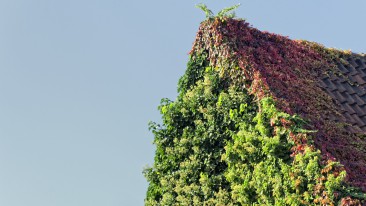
[{"x": 248, "y": 125}]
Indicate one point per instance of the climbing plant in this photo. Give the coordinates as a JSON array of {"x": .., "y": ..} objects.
[
  {"x": 244, "y": 130},
  {"x": 228, "y": 12}
]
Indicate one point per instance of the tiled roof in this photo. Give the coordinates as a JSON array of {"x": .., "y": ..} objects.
[{"x": 348, "y": 89}]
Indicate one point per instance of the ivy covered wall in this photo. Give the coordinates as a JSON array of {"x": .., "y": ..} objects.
[{"x": 244, "y": 129}]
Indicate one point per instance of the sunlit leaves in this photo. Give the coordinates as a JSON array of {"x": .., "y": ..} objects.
[
  {"x": 188, "y": 168},
  {"x": 228, "y": 139}
]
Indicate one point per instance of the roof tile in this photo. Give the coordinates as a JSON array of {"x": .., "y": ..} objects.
[{"x": 349, "y": 90}]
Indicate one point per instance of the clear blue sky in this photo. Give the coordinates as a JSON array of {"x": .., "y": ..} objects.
[{"x": 80, "y": 79}]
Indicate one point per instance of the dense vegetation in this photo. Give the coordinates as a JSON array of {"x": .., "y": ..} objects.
[{"x": 243, "y": 130}]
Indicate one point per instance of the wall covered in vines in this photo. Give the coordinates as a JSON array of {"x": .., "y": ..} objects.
[{"x": 249, "y": 126}]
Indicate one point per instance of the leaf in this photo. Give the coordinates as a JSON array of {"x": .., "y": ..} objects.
[
  {"x": 224, "y": 12},
  {"x": 203, "y": 7}
]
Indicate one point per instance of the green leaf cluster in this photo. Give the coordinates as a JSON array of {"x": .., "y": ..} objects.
[
  {"x": 261, "y": 170},
  {"x": 188, "y": 167},
  {"x": 224, "y": 13}
]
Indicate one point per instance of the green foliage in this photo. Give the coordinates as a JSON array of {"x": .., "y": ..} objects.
[
  {"x": 194, "y": 72},
  {"x": 260, "y": 170},
  {"x": 188, "y": 169},
  {"x": 224, "y": 13},
  {"x": 208, "y": 12}
]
